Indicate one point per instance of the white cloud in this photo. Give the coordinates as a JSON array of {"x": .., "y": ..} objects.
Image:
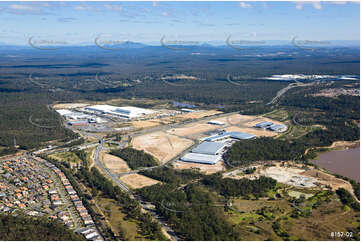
[
  {"x": 113, "y": 7},
  {"x": 245, "y": 5},
  {"x": 316, "y": 5},
  {"x": 82, "y": 7},
  {"x": 21, "y": 7},
  {"x": 338, "y": 2},
  {"x": 154, "y": 4},
  {"x": 165, "y": 14}
]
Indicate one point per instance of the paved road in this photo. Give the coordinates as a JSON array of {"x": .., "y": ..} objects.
[
  {"x": 114, "y": 178},
  {"x": 290, "y": 86}
]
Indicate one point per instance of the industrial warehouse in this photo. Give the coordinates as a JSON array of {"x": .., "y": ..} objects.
[
  {"x": 271, "y": 126},
  {"x": 228, "y": 135},
  {"x": 123, "y": 112},
  {"x": 210, "y": 152},
  {"x": 209, "y": 148}
]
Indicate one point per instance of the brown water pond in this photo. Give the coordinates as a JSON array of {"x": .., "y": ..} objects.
[{"x": 343, "y": 162}]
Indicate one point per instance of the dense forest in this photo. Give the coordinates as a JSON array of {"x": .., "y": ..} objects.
[
  {"x": 69, "y": 74},
  {"x": 347, "y": 199},
  {"x": 188, "y": 201},
  {"x": 23, "y": 227},
  {"x": 234, "y": 188},
  {"x": 26, "y": 118},
  {"x": 245, "y": 152},
  {"x": 190, "y": 212},
  {"x": 135, "y": 158},
  {"x": 173, "y": 176},
  {"x": 339, "y": 115}
]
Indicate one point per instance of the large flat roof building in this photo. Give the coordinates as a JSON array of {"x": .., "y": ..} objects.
[
  {"x": 233, "y": 135},
  {"x": 278, "y": 127},
  {"x": 210, "y": 148},
  {"x": 125, "y": 112},
  {"x": 263, "y": 125},
  {"x": 201, "y": 158},
  {"x": 215, "y": 122}
]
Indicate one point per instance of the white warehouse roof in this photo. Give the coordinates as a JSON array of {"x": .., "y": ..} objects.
[
  {"x": 201, "y": 158},
  {"x": 215, "y": 122},
  {"x": 128, "y": 112},
  {"x": 210, "y": 148},
  {"x": 63, "y": 111}
]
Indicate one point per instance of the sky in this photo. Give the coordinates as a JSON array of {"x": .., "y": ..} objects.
[{"x": 148, "y": 22}]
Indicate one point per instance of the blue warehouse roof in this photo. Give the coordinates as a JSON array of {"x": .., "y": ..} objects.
[
  {"x": 234, "y": 135},
  {"x": 201, "y": 158},
  {"x": 263, "y": 124},
  {"x": 210, "y": 148}
]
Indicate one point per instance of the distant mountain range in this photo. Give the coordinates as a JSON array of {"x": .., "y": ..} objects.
[{"x": 215, "y": 43}]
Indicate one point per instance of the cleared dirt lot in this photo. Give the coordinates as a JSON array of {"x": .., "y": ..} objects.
[
  {"x": 257, "y": 132},
  {"x": 327, "y": 179},
  {"x": 191, "y": 115},
  {"x": 161, "y": 145},
  {"x": 289, "y": 175},
  {"x": 114, "y": 163},
  {"x": 69, "y": 105},
  {"x": 235, "y": 119},
  {"x": 207, "y": 169},
  {"x": 136, "y": 181},
  {"x": 145, "y": 124},
  {"x": 192, "y": 129}
]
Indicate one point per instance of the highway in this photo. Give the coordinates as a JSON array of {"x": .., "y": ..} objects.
[{"x": 290, "y": 86}]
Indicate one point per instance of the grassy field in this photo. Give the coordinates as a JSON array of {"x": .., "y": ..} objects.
[
  {"x": 329, "y": 217},
  {"x": 314, "y": 218},
  {"x": 67, "y": 157},
  {"x": 118, "y": 220},
  {"x": 279, "y": 114}
]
